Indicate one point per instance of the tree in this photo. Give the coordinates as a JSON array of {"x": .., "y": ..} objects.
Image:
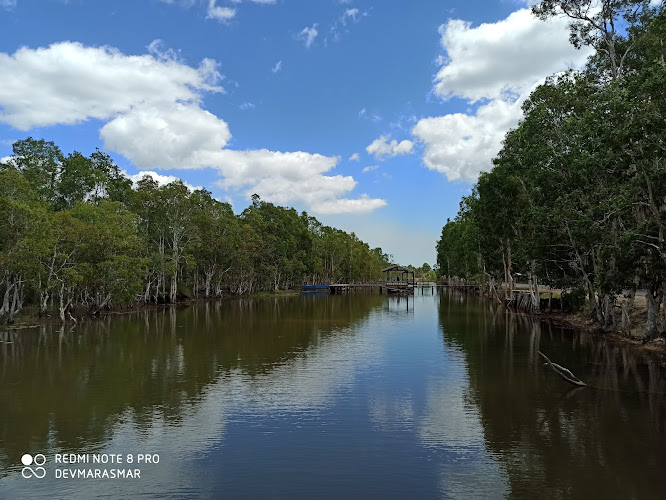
[{"x": 599, "y": 24}]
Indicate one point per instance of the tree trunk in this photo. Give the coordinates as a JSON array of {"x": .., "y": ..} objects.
[{"x": 654, "y": 298}]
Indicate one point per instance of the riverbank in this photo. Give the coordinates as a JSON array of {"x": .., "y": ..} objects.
[{"x": 582, "y": 320}]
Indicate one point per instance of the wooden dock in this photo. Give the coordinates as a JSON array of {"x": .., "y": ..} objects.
[{"x": 381, "y": 287}]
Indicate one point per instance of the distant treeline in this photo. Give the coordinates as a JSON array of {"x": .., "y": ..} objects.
[
  {"x": 75, "y": 232},
  {"x": 577, "y": 195}
]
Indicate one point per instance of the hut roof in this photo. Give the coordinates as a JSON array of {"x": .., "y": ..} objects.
[{"x": 397, "y": 268}]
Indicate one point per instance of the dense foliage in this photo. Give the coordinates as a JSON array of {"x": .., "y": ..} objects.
[
  {"x": 75, "y": 232},
  {"x": 577, "y": 195}
]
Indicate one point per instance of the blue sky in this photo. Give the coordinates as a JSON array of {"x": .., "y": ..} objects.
[{"x": 374, "y": 116}]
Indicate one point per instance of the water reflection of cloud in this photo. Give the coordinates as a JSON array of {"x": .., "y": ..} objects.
[
  {"x": 391, "y": 413},
  {"x": 452, "y": 423},
  {"x": 448, "y": 424},
  {"x": 307, "y": 383}
]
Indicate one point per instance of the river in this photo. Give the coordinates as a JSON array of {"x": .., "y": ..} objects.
[{"x": 349, "y": 396}]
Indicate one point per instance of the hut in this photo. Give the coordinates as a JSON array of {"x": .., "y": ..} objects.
[{"x": 399, "y": 279}]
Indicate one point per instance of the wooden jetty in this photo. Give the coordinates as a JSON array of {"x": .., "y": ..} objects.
[{"x": 398, "y": 279}]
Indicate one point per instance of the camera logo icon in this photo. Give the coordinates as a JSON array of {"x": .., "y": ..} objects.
[{"x": 28, "y": 461}]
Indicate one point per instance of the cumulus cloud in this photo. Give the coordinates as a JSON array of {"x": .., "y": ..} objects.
[
  {"x": 284, "y": 177},
  {"x": 277, "y": 67},
  {"x": 219, "y": 13},
  {"x": 381, "y": 148},
  {"x": 354, "y": 157},
  {"x": 159, "y": 178},
  {"x": 357, "y": 206},
  {"x": 461, "y": 146},
  {"x": 152, "y": 108},
  {"x": 175, "y": 136},
  {"x": 308, "y": 34},
  {"x": 68, "y": 83},
  {"x": 499, "y": 63},
  {"x": 370, "y": 168},
  {"x": 509, "y": 56}
]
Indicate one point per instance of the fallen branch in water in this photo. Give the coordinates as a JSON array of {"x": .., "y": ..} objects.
[{"x": 563, "y": 372}]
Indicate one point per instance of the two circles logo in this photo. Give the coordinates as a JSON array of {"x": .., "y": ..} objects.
[{"x": 38, "y": 460}]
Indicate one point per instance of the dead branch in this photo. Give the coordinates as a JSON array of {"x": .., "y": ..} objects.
[{"x": 563, "y": 372}]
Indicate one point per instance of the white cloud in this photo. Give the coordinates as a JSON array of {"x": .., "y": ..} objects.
[
  {"x": 152, "y": 106},
  {"x": 358, "y": 206},
  {"x": 308, "y": 34},
  {"x": 509, "y": 56},
  {"x": 340, "y": 24},
  {"x": 370, "y": 168},
  {"x": 219, "y": 13},
  {"x": 214, "y": 11},
  {"x": 182, "y": 3},
  {"x": 381, "y": 148},
  {"x": 501, "y": 62},
  {"x": 349, "y": 14},
  {"x": 177, "y": 136},
  {"x": 365, "y": 115},
  {"x": 158, "y": 50},
  {"x": 277, "y": 67},
  {"x": 159, "y": 178},
  {"x": 287, "y": 177},
  {"x": 190, "y": 137},
  {"x": 354, "y": 157},
  {"x": 462, "y": 146},
  {"x": 246, "y": 105},
  {"x": 68, "y": 83}
]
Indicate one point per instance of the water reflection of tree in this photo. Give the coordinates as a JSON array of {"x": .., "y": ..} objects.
[
  {"x": 67, "y": 388},
  {"x": 607, "y": 440}
]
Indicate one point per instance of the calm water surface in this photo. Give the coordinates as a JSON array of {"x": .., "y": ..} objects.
[{"x": 352, "y": 396}]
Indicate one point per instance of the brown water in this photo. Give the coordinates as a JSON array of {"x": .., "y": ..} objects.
[{"x": 329, "y": 397}]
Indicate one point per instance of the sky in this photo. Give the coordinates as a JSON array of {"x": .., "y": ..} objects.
[{"x": 374, "y": 116}]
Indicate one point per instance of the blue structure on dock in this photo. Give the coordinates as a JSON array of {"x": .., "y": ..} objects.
[{"x": 315, "y": 288}]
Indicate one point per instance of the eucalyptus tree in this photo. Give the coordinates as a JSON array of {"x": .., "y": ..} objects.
[
  {"x": 76, "y": 180},
  {"x": 21, "y": 216},
  {"x": 214, "y": 246},
  {"x": 39, "y": 162},
  {"x": 111, "y": 266},
  {"x": 601, "y": 25}
]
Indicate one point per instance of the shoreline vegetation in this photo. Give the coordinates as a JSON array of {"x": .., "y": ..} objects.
[
  {"x": 576, "y": 201},
  {"x": 579, "y": 320},
  {"x": 78, "y": 238}
]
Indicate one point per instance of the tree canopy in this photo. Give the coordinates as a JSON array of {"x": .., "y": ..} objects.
[
  {"x": 577, "y": 195},
  {"x": 75, "y": 232}
]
